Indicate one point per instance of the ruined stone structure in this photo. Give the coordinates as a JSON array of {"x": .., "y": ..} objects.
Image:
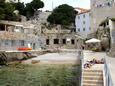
[
  {"x": 58, "y": 37},
  {"x": 103, "y": 33},
  {"x": 14, "y": 35},
  {"x": 100, "y": 10},
  {"x": 54, "y": 36},
  {"x": 108, "y": 33}
]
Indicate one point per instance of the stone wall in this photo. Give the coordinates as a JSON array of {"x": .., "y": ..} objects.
[
  {"x": 68, "y": 41},
  {"x": 104, "y": 35},
  {"x": 100, "y": 10}
]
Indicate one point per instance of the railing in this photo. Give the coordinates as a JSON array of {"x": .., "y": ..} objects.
[
  {"x": 80, "y": 53},
  {"x": 107, "y": 75}
]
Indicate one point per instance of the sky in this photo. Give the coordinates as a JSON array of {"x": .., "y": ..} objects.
[{"x": 49, "y": 4}]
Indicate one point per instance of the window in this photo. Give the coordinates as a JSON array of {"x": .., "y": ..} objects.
[
  {"x": 83, "y": 22},
  {"x": 6, "y": 42},
  {"x": 83, "y": 29},
  {"x": 104, "y": 25},
  {"x": 64, "y": 41},
  {"x": 78, "y": 29},
  {"x": 12, "y": 42},
  {"x": 72, "y": 41},
  {"x": 56, "y": 41},
  {"x": 84, "y": 16},
  {"x": 109, "y": 4},
  {"x": 22, "y": 43},
  {"x": 47, "y": 41},
  {"x": 107, "y": 22},
  {"x": 100, "y": 5},
  {"x": 2, "y": 27},
  {"x": 78, "y": 17},
  {"x": 34, "y": 45}
]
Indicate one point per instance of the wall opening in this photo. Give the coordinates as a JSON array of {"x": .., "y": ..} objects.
[
  {"x": 2, "y": 27},
  {"x": 47, "y": 41},
  {"x": 72, "y": 41},
  {"x": 22, "y": 42},
  {"x": 56, "y": 41},
  {"x": 64, "y": 41}
]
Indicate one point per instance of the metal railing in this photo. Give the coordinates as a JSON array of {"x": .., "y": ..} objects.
[
  {"x": 81, "y": 56},
  {"x": 107, "y": 75},
  {"x": 107, "y": 80}
]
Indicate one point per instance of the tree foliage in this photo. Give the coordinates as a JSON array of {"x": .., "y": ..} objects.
[
  {"x": 7, "y": 9},
  {"x": 29, "y": 9},
  {"x": 32, "y": 7},
  {"x": 63, "y": 14},
  {"x": 20, "y": 7}
]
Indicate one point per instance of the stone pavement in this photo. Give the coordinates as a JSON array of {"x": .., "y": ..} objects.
[
  {"x": 56, "y": 58},
  {"x": 89, "y": 55}
]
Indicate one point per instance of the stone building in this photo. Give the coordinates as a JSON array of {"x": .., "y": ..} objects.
[
  {"x": 103, "y": 33},
  {"x": 14, "y": 35},
  {"x": 108, "y": 34},
  {"x": 82, "y": 22},
  {"x": 54, "y": 36},
  {"x": 58, "y": 37},
  {"x": 40, "y": 20},
  {"x": 100, "y": 10}
]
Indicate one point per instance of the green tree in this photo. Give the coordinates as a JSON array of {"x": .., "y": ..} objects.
[
  {"x": 63, "y": 14},
  {"x": 2, "y": 1},
  {"x": 2, "y": 12},
  {"x": 20, "y": 7},
  {"x": 2, "y": 15},
  {"x": 32, "y": 7},
  {"x": 7, "y": 11}
]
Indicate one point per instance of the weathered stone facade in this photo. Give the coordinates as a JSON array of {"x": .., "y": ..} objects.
[
  {"x": 55, "y": 36},
  {"x": 104, "y": 35},
  {"x": 107, "y": 34},
  {"x": 61, "y": 38},
  {"x": 100, "y": 10},
  {"x": 14, "y": 35}
]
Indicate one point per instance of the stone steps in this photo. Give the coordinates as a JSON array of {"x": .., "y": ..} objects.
[
  {"x": 92, "y": 77},
  {"x": 87, "y": 84},
  {"x": 93, "y": 81},
  {"x": 92, "y": 72}
]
